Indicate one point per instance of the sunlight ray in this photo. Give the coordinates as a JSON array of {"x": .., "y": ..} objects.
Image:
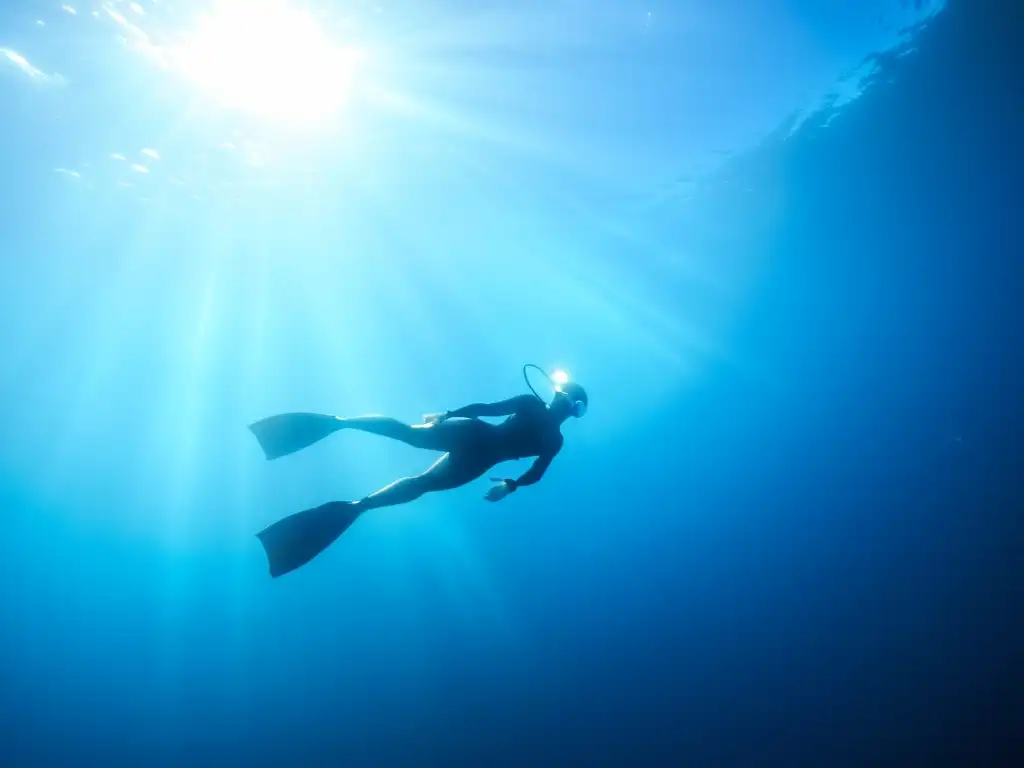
[
  {"x": 661, "y": 328},
  {"x": 196, "y": 367},
  {"x": 429, "y": 270},
  {"x": 453, "y": 123},
  {"x": 108, "y": 329},
  {"x": 252, "y": 310},
  {"x": 341, "y": 308},
  {"x": 467, "y": 584},
  {"x": 52, "y": 288}
]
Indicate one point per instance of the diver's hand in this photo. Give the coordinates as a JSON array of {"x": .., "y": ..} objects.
[
  {"x": 498, "y": 492},
  {"x": 434, "y": 418}
]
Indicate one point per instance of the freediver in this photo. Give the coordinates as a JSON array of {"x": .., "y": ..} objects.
[{"x": 471, "y": 447}]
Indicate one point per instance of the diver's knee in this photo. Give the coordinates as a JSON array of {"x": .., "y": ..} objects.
[{"x": 426, "y": 483}]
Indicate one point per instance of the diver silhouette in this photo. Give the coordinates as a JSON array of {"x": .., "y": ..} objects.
[{"x": 470, "y": 446}]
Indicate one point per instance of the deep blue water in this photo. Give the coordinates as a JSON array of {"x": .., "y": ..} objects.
[{"x": 788, "y": 531}]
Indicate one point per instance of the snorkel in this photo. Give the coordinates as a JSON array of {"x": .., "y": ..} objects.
[
  {"x": 545, "y": 374},
  {"x": 560, "y": 384}
]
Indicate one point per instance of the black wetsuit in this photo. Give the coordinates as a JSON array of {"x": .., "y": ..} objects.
[
  {"x": 529, "y": 430},
  {"x": 470, "y": 446}
]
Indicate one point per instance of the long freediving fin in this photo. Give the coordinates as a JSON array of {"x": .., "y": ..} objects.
[
  {"x": 287, "y": 433},
  {"x": 295, "y": 540}
]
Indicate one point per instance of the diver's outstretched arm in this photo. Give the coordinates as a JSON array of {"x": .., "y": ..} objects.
[{"x": 502, "y": 408}]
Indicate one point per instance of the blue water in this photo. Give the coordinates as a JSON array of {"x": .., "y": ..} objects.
[{"x": 771, "y": 239}]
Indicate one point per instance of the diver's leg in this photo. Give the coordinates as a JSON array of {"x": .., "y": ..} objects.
[
  {"x": 446, "y": 436},
  {"x": 297, "y": 539},
  {"x": 450, "y": 471}
]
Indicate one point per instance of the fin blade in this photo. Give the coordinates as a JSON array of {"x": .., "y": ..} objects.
[
  {"x": 295, "y": 540},
  {"x": 286, "y": 433}
]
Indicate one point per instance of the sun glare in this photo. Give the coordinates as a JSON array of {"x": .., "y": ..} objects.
[{"x": 268, "y": 58}]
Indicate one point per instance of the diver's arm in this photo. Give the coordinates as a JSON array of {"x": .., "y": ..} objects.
[
  {"x": 531, "y": 476},
  {"x": 503, "y": 408},
  {"x": 536, "y": 470},
  {"x": 534, "y": 473}
]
